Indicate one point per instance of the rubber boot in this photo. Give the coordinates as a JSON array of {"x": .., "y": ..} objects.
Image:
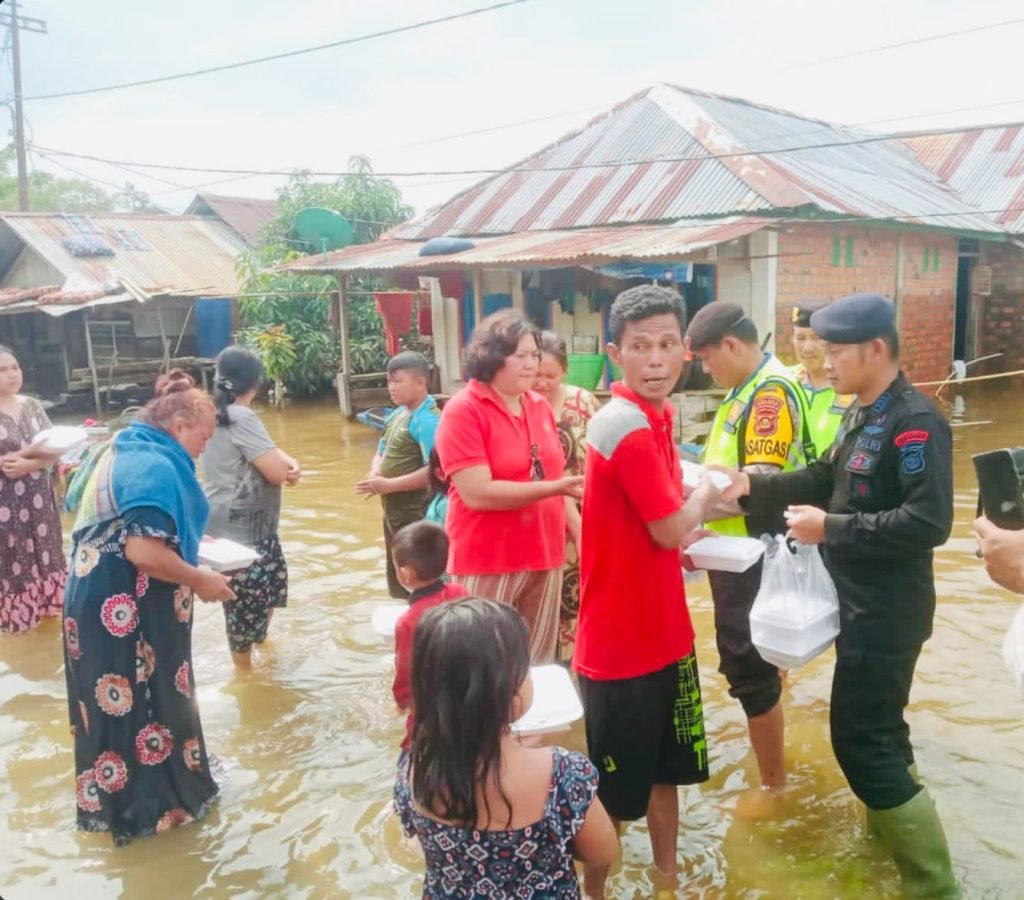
[
  {"x": 869, "y": 827},
  {"x": 913, "y": 834}
]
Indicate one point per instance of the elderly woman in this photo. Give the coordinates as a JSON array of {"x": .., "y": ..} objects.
[
  {"x": 140, "y": 759},
  {"x": 573, "y": 406},
  {"x": 498, "y": 443},
  {"x": 32, "y": 570}
]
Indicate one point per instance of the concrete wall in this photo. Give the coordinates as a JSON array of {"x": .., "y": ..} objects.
[{"x": 918, "y": 270}]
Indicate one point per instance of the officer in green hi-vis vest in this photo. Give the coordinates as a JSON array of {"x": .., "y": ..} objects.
[
  {"x": 761, "y": 424},
  {"x": 826, "y": 406}
]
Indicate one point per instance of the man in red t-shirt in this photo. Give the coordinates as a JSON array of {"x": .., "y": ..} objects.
[{"x": 634, "y": 644}]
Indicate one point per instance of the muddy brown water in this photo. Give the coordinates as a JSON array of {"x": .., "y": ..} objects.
[{"x": 309, "y": 739}]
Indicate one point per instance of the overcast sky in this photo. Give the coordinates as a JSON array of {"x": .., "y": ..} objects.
[{"x": 392, "y": 97}]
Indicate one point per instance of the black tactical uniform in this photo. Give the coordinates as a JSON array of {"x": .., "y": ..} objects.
[{"x": 887, "y": 487}]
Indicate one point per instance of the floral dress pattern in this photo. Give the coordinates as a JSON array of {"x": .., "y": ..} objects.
[
  {"x": 140, "y": 760},
  {"x": 528, "y": 863},
  {"x": 32, "y": 570},
  {"x": 577, "y": 411}
]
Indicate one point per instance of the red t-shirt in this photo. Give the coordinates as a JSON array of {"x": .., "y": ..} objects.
[
  {"x": 478, "y": 429},
  {"x": 422, "y": 600},
  {"x": 633, "y": 617}
]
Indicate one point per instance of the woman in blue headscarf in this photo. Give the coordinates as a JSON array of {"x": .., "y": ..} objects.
[{"x": 140, "y": 759}]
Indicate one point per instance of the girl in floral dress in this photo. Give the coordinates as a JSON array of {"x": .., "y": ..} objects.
[
  {"x": 140, "y": 760},
  {"x": 494, "y": 816},
  {"x": 32, "y": 570},
  {"x": 573, "y": 408}
]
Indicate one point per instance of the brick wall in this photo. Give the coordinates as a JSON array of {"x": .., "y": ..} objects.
[
  {"x": 1002, "y": 319},
  {"x": 813, "y": 265}
]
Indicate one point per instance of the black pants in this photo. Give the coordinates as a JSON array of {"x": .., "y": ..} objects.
[
  {"x": 871, "y": 739},
  {"x": 752, "y": 681}
]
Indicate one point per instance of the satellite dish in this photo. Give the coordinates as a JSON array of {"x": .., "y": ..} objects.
[{"x": 322, "y": 228}]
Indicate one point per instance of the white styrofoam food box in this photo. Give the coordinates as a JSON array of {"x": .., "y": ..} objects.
[
  {"x": 223, "y": 555},
  {"x": 692, "y": 472},
  {"x": 556, "y": 705},
  {"x": 61, "y": 438},
  {"x": 385, "y": 618},
  {"x": 790, "y": 631},
  {"x": 725, "y": 554}
]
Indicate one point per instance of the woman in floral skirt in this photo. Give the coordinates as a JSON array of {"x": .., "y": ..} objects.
[
  {"x": 32, "y": 570},
  {"x": 573, "y": 408},
  {"x": 140, "y": 760}
]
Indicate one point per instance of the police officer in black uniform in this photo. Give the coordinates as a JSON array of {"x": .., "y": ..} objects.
[{"x": 878, "y": 503}]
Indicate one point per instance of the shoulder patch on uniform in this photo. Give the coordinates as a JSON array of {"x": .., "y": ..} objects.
[
  {"x": 613, "y": 423},
  {"x": 911, "y": 444}
]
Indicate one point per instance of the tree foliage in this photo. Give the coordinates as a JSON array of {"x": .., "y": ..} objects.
[
  {"x": 49, "y": 193},
  {"x": 301, "y": 304}
]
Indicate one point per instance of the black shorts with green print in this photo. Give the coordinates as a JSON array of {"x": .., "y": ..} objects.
[{"x": 645, "y": 731}]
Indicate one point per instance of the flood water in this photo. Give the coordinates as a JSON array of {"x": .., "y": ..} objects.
[{"x": 309, "y": 739}]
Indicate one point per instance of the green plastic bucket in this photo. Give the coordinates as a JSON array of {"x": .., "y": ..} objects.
[{"x": 585, "y": 370}]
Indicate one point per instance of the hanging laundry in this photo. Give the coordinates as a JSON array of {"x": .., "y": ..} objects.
[
  {"x": 452, "y": 284},
  {"x": 424, "y": 320},
  {"x": 395, "y": 308}
]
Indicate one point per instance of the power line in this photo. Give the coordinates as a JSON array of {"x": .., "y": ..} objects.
[
  {"x": 921, "y": 40},
  {"x": 286, "y": 55},
  {"x": 856, "y": 142}
]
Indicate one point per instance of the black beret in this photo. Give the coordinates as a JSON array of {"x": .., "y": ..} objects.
[
  {"x": 804, "y": 309},
  {"x": 714, "y": 321},
  {"x": 854, "y": 319}
]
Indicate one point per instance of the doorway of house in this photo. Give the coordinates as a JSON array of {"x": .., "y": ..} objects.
[{"x": 964, "y": 324}]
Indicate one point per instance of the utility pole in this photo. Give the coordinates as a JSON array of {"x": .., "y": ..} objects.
[{"x": 17, "y": 24}]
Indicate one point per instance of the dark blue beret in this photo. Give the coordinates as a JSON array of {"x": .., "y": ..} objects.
[{"x": 854, "y": 319}]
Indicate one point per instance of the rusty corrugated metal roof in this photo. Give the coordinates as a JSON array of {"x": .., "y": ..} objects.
[
  {"x": 186, "y": 255},
  {"x": 538, "y": 248},
  {"x": 985, "y": 166},
  {"x": 247, "y": 216},
  {"x": 626, "y": 178}
]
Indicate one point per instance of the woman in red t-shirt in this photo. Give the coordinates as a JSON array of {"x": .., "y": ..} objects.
[{"x": 499, "y": 445}]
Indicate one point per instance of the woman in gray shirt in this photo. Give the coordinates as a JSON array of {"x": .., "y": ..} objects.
[{"x": 243, "y": 471}]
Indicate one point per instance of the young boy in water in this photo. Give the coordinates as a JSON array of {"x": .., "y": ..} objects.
[{"x": 420, "y": 553}]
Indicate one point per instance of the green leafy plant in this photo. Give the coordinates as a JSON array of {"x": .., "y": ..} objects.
[{"x": 302, "y": 303}]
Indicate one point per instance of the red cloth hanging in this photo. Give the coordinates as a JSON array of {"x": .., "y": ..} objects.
[
  {"x": 395, "y": 310},
  {"x": 452, "y": 285},
  {"x": 424, "y": 319}
]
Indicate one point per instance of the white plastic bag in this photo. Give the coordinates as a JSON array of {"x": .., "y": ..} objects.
[
  {"x": 795, "y": 616},
  {"x": 1013, "y": 649}
]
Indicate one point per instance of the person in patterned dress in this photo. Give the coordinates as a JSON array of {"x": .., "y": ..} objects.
[
  {"x": 573, "y": 407},
  {"x": 495, "y": 817},
  {"x": 243, "y": 471},
  {"x": 32, "y": 569},
  {"x": 141, "y": 764}
]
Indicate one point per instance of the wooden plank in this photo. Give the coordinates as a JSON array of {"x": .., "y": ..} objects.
[
  {"x": 344, "y": 384},
  {"x": 92, "y": 364}
]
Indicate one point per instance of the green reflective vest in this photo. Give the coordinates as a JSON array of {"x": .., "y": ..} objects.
[
  {"x": 826, "y": 409},
  {"x": 725, "y": 440}
]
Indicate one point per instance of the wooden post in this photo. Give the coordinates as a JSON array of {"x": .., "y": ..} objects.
[
  {"x": 92, "y": 363},
  {"x": 344, "y": 384},
  {"x": 478, "y": 297},
  {"x": 163, "y": 339}
]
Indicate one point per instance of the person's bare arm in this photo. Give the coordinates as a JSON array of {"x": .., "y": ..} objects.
[
  {"x": 154, "y": 558},
  {"x": 274, "y": 466},
  {"x": 479, "y": 490},
  {"x": 378, "y": 484},
  {"x": 597, "y": 842},
  {"x": 573, "y": 521},
  {"x": 670, "y": 531}
]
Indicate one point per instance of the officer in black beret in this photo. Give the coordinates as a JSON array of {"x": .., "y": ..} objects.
[{"x": 878, "y": 503}]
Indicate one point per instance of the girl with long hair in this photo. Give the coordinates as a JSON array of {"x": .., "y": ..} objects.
[
  {"x": 243, "y": 470},
  {"x": 491, "y": 813}
]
